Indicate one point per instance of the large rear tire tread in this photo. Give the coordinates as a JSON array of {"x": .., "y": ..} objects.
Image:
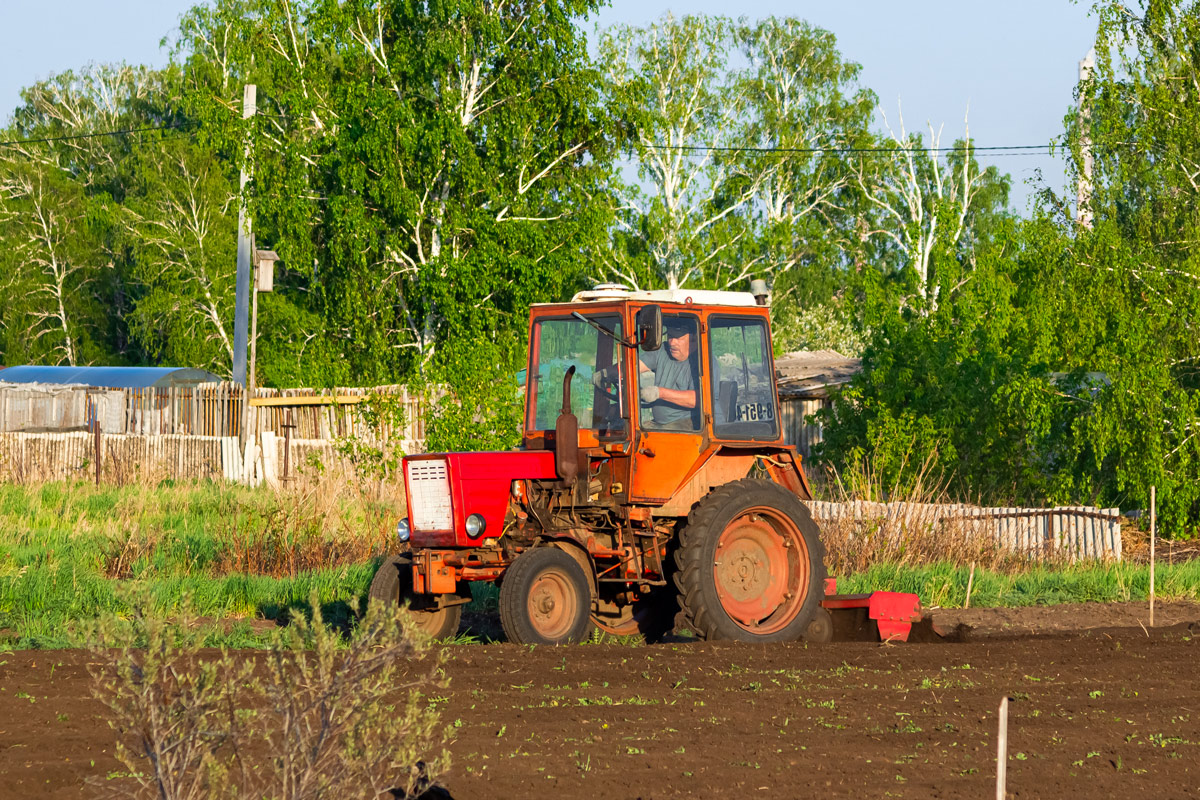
[
  {"x": 701, "y": 609},
  {"x": 518, "y": 583},
  {"x": 392, "y": 584}
]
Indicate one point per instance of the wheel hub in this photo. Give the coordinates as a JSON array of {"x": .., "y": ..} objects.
[
  {"x": 756, "y": 563},
  {"x": 550, "y": 604}
]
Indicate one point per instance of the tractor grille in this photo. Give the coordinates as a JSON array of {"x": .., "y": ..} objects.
[{"x": 429, "y": 495}]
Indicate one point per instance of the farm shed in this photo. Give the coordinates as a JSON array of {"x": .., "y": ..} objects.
[
  {"x": 109, "y": 377},
  {"x": 56, "y": 399},
  {"x": 808, "y": 381}
]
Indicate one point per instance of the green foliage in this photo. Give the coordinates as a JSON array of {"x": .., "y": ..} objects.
[
  {"x": 433, "y": 164},
  {"x": 477, "y": 403},
  {"x": 1129, "y": 309},
  {"x": 964, "y": 388},
  {"x": 1057, "y": 362}
]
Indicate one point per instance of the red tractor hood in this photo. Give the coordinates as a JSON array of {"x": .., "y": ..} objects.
[{"x": 443, "y": 489}]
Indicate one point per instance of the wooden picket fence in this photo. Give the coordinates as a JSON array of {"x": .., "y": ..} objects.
[
  {"x": 206, "y": 410},
  {"x": 1074, "y": 531}
]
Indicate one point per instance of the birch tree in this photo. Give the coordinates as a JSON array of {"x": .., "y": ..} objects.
[
  {"x": 438, "y": 165},
  {"x": 923, "y": 202},
  {"x": 804, "y": 105},
  {"x": 43, "y": 219},
  {"x": 671, "y": 86},
  {"x": 179, "y": 221},
  {"x": 54, "y": 191}
]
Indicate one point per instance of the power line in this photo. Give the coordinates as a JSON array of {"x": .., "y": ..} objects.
[
  {"x": 15, "y": 142},
  {"x": 960, "y": 149}
]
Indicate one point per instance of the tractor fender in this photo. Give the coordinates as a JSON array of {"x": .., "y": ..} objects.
[{"x": 722, "y": 467}]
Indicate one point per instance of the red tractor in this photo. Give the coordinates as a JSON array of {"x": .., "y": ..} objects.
[{"x": 653, "y": 482}]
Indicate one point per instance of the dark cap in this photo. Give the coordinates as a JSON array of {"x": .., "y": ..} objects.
[{"x": 674, "y": 328}]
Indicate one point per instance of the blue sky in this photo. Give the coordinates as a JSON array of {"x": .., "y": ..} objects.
[{"x": 1015, "y": 63}]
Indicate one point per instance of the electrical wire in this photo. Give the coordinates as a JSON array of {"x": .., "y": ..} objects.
[
  {"x": 43, "y": 140},
  {"x": 853, "y": 150},
  {"x": 993, "y": 151}
]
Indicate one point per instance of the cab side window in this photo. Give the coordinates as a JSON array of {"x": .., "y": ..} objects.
[
  {"x": 669, "y": 378},
  {"x": 743, "y": 392}
]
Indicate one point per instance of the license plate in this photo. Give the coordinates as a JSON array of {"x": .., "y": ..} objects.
[{"x": 755, "y": 412}]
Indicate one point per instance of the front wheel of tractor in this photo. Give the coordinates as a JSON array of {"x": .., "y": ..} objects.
[
  {"x": 393, "y": 585},
  {"x": 546, "y": 598}
]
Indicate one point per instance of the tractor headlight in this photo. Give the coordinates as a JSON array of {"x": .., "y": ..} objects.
[
  {"x": 476, "y": 525},
  {"x": 402, "y": 530}
]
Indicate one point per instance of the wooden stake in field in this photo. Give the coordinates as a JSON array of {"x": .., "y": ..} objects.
[
  {"x": 1153, "y": 536},
  {"x": 1002, "y": 752},
  {"x": 970, "y": 582}
]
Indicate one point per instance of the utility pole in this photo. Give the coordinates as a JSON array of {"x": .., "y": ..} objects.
[
  {"x": 244, "y": 256},
  {"x": 1083, "y": 197}
]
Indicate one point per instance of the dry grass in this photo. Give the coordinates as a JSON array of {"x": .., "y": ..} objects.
[
  {"x": 324, "y": 523},
  {"x": 906, "y": 525}
]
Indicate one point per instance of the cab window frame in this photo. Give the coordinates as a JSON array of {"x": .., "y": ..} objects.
[
  {"x": 533, "y": 384},
  {"x": 701, "y": 410},
  {"x": 723, "y": 322}
]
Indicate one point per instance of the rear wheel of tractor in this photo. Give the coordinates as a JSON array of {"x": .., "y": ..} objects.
[
  {"x": 393, "y": 585},
  {"x": 750, "y": 564},
  {"x": 546, "y": 598}
]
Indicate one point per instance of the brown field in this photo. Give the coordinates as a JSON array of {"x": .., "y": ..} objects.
[{"x": 1106, "y": 712}]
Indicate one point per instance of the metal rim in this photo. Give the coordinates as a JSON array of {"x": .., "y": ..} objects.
[
  {"x": 429, "y": 620},
  {"x": 761, "y": 570},
  {"x": 623, "y": 624},
  {"x": 552, "y": 604},
  {"x": 634, "y": 619}
]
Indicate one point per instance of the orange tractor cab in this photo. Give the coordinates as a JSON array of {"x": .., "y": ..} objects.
[{"x": 652, "y": 487}]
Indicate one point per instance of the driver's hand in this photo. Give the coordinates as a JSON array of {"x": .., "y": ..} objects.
[
  {"x": 597, "y": 378},
  {"x": 649, "y": 394}
]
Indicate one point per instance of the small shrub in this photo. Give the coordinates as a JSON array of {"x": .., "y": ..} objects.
[{"x": 316, "y": 716}]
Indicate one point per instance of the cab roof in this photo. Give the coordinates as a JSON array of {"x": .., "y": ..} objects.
[{"x": 703, "y": 297}]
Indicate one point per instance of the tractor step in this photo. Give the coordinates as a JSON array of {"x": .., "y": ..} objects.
[{"x": 886, "y": 615}]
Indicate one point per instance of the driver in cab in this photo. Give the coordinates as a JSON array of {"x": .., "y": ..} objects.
[{"x": 667, "y": 381}]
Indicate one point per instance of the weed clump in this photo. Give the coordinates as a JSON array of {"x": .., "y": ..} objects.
[{"x": 317, "y": 715}]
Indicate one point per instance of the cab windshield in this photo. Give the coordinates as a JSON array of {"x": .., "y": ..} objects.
[{"x": 597, "y": 389}]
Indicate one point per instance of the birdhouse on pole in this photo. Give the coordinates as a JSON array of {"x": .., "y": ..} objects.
[{"x": 265, "y": 273}]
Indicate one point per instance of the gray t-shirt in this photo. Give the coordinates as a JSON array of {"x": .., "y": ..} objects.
[{"x": 669, "y": 374}]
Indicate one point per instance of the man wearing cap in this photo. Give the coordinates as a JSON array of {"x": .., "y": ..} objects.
[{"x": 668, "y": 382}]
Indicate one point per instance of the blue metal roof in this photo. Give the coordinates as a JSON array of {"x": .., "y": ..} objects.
[{"x": 109, "y": 377}]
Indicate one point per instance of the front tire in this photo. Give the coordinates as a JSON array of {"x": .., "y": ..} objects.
[
  {"x": 750, "y": 564},
  {"x": 393, "y": 585},
  {"x": 546, "y": 598}
]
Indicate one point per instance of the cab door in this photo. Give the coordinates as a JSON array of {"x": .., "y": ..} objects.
[{"x": 669, "y": 435}]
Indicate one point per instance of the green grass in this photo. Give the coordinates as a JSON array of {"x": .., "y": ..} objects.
[
  {"x": 945, "y": 584},
  {"x": 70, "y": 553}
]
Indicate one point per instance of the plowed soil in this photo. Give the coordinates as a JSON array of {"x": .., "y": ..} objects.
[{"x": 1104, "y": 712}]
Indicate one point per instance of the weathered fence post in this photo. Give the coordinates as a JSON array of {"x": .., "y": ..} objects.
[
  {"x": 1153, "y": 536},
  {"x": 1002, "y": 752}
]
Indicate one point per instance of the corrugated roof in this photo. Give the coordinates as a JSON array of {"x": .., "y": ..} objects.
[
  {"x": 109, "y": 377},
  {"x": 813, "y": 372}
]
